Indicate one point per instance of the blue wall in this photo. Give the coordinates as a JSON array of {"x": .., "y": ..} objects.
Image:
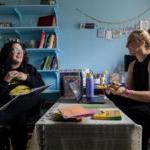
[{"x": 81, "y": 48}]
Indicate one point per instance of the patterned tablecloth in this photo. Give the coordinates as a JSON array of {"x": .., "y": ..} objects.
[{"x": 86, "y": 135}]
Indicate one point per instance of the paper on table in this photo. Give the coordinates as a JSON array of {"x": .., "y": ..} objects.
[{"x": 75, "y": 111}]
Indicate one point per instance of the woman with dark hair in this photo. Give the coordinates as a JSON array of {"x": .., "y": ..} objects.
[
  {"x": 16, "y": 76},
  {"x": 134, "y": 98}
]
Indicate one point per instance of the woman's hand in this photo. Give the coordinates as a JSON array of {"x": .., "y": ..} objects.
[
  {"x": 116, "y": 89},
  {"x": 15, "y": 75},
  {"x": 120, "y": 91},
  {"x": 21, "y": 76},
  {"x": 10, "y": 76}
]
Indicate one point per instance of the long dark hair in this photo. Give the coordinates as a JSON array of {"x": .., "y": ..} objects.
[{"x": 5, "y": 63}]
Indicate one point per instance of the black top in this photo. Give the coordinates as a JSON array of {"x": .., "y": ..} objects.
[
  {"x": 33, "y": 80},
  {"x": 141, "y": 75}
]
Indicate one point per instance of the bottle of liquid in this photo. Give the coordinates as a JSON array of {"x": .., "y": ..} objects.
[
  {"x": 89, "y": 85},
  {"x": 122, "y": 74},
  {"x": 102, "y": 79}
]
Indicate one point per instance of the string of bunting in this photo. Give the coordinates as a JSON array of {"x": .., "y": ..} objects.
[{"x": 110, "y": 29}]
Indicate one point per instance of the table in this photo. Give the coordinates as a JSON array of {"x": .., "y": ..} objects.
[{"x": 86, "y": 135}]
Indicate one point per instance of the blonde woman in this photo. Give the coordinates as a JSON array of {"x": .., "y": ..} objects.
[{"x": 134, "y": 98}]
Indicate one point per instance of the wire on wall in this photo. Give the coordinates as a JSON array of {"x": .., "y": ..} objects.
[{"x": 110, "y": 29}]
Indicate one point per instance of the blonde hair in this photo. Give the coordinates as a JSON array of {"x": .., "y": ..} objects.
[
  {"x": 140, "y": 35},
  {"x": 146, "y": 37}
]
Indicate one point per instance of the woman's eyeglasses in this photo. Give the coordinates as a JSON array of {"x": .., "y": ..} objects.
[{"x": 15, "y": 50}]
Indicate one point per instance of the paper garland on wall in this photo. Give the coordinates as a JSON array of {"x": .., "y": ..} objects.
[
  {"x": 110, "y": 30},
  {"x": 117, "y": 33}
]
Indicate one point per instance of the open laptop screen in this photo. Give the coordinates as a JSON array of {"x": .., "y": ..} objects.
[{"x": 76, "y": 90}]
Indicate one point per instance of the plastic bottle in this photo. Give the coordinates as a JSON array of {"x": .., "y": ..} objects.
[
  {"x": 89, "y": 85},
  {"x": 122, "y": 78},
  {"x": 102, "y": 79},
  {"x": 122, "y": 75}
]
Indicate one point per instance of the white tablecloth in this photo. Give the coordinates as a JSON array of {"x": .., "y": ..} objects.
[{"x": 86, "y": 135}]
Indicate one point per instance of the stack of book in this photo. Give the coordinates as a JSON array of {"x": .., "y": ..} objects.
[{"x": 72, "y": 113}]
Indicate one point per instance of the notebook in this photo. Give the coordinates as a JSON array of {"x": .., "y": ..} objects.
[
  {"x": 97, "y": 99},
  {"x": 20, "y": 104}
]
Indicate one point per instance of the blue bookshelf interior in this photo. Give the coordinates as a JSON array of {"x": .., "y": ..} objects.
[{"x": 22, "y": 20}]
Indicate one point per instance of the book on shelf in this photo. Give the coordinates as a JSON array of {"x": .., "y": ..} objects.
[
  {"x": 54, "y": 63},
  {"x": 42, "y": 63},
  {"x": 50, "y": 2},
  {"x": 51, "y": 42},
  {"x": 49, "y": 63},
  {"x": 42, "y": 39},
  {"x": 49, "y": 20},
  {"x": 47, "y": 40},
  {"x": 54, "y": 21},
  {"x": 46, "y": 63}
]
